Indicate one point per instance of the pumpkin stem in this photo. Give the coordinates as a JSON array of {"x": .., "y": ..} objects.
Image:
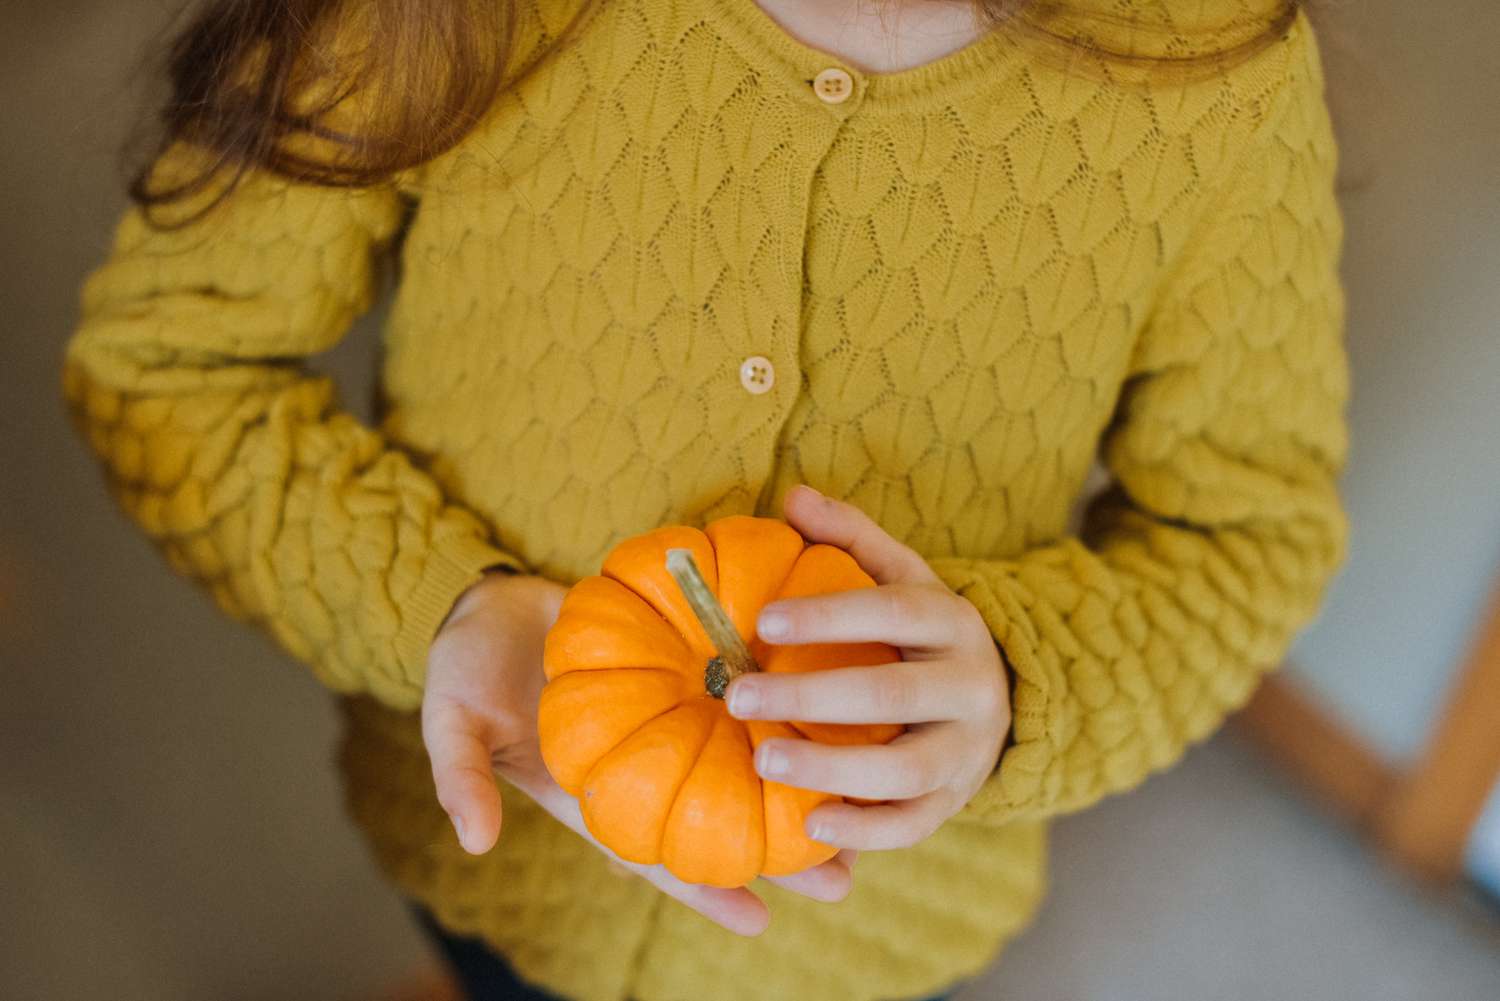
[{"x": 734, "y": 657}]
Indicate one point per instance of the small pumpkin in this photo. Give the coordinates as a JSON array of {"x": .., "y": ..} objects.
[{"x": 632, "y": 719}]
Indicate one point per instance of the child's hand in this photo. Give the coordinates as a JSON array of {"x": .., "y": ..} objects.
[
  {"x": 479, "y": 710},
  {"x": 951, "y": 687}
]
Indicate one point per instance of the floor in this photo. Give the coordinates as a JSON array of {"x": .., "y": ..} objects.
[
  {"x": 169, "y": 818},
  {"x": 1216, "y": 881}
]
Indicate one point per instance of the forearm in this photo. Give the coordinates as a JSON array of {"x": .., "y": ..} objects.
[
  {"x": 290, "y": 512},
  {"x": 1125, "y": 651},
  {"x": 186, "y": 376}
]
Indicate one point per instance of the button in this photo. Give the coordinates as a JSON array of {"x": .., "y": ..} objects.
[
  {"x": 757, "y": 375},
  {"x": 833, "y": 85}
]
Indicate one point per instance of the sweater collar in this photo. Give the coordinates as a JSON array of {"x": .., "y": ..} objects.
[
  {"x": 798, "y": 62},
  {"x": 1142, "y": 29}
]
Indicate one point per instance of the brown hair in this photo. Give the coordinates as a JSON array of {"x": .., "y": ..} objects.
[{"x": 245, "y": 78}]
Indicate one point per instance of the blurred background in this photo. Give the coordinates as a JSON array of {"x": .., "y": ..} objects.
[{"x": 170, "y": 823}]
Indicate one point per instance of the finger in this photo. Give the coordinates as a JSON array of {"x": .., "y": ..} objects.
[
  {"x": 829, "y": 882},
  {"x": 737, "y": 910},
  {"x": 882, "y": 827},
  {"x": 462, "y": 774},
  {"x": 914, "y": 691},
  {"x": 904, "y": 615},
  {"x": 825, "y": 519},
  {"x": 915, "y": 763}
]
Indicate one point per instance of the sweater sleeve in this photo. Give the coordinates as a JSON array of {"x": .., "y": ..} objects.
[
  {"x": 1221, "y": 526},
  {"x": 186, "y": 376}
]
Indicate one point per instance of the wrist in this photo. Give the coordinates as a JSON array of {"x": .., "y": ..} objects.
[
  {"x": 492, "y": 579},
  {"x": 522, "y": 599}
]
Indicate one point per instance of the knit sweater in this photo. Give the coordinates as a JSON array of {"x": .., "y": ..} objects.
[{"x": 957, "y": 286}]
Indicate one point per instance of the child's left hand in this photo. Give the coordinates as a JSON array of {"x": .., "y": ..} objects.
[{"x": 950, "y": 689}]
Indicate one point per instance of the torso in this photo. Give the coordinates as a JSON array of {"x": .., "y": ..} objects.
[
  {"x": 944, "y": 276},
  {"x": 875, "y": 40}
]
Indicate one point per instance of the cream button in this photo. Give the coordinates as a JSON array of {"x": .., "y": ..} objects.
[
  {"x": 833, "y": 85},
  {"x": 757, "y": 375}
]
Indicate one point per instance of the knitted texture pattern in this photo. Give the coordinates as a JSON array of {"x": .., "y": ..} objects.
[{"x": 968, "y": 279}]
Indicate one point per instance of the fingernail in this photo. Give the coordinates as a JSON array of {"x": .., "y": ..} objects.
[
  {"x": 819, "y": 832},
  {"x": 772, "y": 761},
  {"x": 744, "y": 699},
  {"x": 772, "y": 624},
  {"x": 458, "y": 825},
  {"x": 816, "y": 492}
]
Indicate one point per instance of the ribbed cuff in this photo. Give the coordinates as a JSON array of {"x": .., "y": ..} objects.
[{"x": 454, "y": 564}]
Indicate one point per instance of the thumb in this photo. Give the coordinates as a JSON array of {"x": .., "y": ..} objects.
[
  {"x": 820, "y": 518},
  {"x": 462, "y": 774}
]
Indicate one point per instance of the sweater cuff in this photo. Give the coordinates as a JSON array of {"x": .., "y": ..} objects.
[
  {"x": 453, "y": 565},
  {"x": 1019, "y": 785}
]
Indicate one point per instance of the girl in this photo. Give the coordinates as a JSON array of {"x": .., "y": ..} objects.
[{"x": 663, "y": 260}]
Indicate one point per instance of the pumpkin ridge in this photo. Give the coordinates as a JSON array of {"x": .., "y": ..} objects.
[
  {"x": 737, "y": 745},
  {"x": 622, "y": 559},
  {"x": 775, "y": 797},
  {"x": 645, "y": 723},
  {"x": 741, "y": 539},
  {"x": 672, "y": 626},
  {"x": 631, "y": 604},
  {"x": 760, "y": 790},
  {"x": 672, "y": 800},
  {"x": 549, "y": 721},
  {"x": 693, "y": 755}
]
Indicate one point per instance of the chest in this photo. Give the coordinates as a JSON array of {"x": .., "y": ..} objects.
[{"x": 675, "y": 276}]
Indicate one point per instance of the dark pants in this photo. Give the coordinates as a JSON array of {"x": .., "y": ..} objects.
[{"x": 482, "y": 973}]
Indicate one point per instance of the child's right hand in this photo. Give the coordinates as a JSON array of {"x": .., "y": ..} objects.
[{"x": 479, "y": 711}]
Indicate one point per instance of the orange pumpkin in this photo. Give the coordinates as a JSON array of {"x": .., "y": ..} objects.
[{"x": 629, "y": 722}]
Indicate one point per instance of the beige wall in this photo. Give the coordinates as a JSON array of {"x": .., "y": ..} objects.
[
  {"x": 1417, "y": 94},
  {"x": 168, "y": 826}
]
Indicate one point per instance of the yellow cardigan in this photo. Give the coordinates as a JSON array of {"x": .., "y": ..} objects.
[{"x": 959, "y": 284}]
